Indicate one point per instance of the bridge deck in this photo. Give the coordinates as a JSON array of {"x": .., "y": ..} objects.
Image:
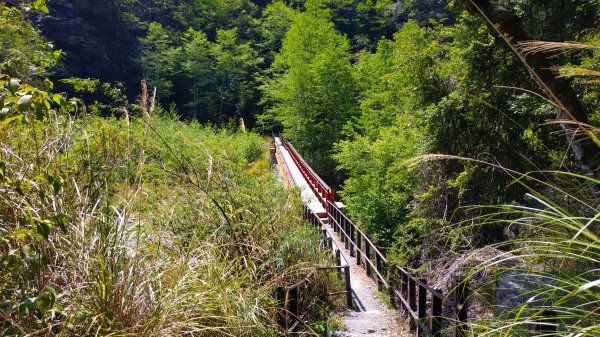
[
  {"x": 293, "y": 177},
  {"x": 371, "y": 315}
]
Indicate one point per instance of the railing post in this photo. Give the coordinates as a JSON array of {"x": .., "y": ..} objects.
[
  {"x": 412, "y": 300},
  {"x": 339, "y": 220},
  {"x": 404, "y": 293},
  {"x": 294, "y": 303},
  {"x": 391, "y": 285},
  {"x": 330, "y": 217},
  {"x": 378, "y": 266},
  {"x": 368, "y": 257},
  {"x": 422, "y": 305},
  {"x": 342, "y": 228},
  {"x": 352, "y": 240},
  {"x": 346, "y": 232},
  {"x": 436, "y": 315},
  {"x": 348, "y": 286},
  {"x": 341, "y": 224},
  {"x": 282, "y": 315},
  {"x": 358, "y": 247},
  {"x": 459, "y": 284}
]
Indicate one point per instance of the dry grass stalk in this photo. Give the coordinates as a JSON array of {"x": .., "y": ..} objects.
[{"x": 533, "y": 47}]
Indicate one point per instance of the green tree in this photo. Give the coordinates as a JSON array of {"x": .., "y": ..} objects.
[
  {"x": 363, "y": 21},
  {"x": 236, "y": 64},
  {"x": 158, "y": 58},
  {"x": 213, "y": 15},
  {"x": 422, "y": 11},
  {"x": 313, "y": 93},
  {"x": 396, "y": 86},
  {"x": 479, "y": 117},
  {"x": 200, "y": 68},
  {"x": 507, "y": 25},
  {"x": 276, "y": 20}
]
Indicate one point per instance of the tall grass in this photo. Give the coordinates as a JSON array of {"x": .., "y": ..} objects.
[
  {"x": 554, "y": 258},
  {"x": 143, "y": 227}
]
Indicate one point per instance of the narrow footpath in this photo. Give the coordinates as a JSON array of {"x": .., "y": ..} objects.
[{"x": 370, "y": 316}]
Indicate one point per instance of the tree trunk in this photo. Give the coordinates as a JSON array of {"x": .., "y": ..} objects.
[{"x": 505, "y": 24}]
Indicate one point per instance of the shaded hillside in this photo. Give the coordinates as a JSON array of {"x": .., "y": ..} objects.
[{"x": 97, "y": 43}]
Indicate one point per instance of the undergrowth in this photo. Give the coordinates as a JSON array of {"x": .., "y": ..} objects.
[{"x": 140, "y": 226}]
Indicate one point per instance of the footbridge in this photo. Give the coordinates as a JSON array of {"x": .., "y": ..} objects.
[
  {"x": 416, "y": 308},
  {"x": 367, "y": 313}
]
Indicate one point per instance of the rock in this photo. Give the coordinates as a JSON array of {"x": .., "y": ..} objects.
[
  {"x": 371, "y": 330},
  {"x": 515, "y": 288}
]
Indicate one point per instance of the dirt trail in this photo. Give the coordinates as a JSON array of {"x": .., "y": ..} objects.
[{"x": 371, "y": 316}]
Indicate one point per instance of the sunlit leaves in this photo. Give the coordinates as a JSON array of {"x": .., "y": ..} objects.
[
  {"x": 40, "y": 5},
  {"x": 24, "y": 103},
  {"x": 24, "y": 53},
  {"x": 46, "y": 300},
  {"x": 313, "y": 94},
  {"x": 158, "y": 58}
]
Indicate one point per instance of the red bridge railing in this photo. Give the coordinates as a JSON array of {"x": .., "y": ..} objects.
[{"x": 324, "y": 193}]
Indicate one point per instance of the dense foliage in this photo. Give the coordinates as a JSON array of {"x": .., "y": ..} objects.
[
  {"x": 312, "y": 92},
  {"x": 136, "y": 224},
  {"x": 206, "y": 56},
  {"x": 453, "y": 90},
  {"x": 415, "y": 110}
]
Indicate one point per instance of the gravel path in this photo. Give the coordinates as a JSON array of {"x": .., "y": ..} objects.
[{"x": 371, "y": 316}]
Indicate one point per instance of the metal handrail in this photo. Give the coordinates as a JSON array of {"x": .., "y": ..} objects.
[
  {"x": 412, "y": 296},
  {"x": 424, "y": 285},
  {"x": 366, "y": 238},
  {"x": 293, "y": 150},
  {"x": 367, "y": 258}
]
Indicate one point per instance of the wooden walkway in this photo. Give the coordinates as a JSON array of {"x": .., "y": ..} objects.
[{"x": 370, "y": 316}]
